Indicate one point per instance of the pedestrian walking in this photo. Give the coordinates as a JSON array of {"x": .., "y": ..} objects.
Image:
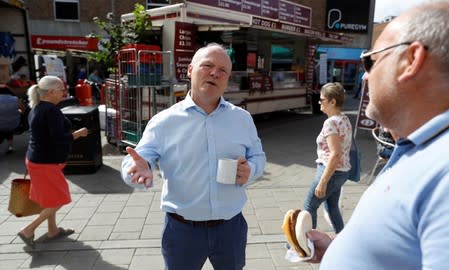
[
  {"x": 333, "y": 146},
  {"x": 359, "y": 83},
  {"x": 203, "y": 217},
  {"x": 401, "y": 221},
  {"x": 10, "y": 113},
  {"x": 49, "y": 146}
]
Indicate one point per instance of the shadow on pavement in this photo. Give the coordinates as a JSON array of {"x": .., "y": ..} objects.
[
  {"x": 77, "y": 256},
  {"x": 106, "y": 180},
  {"x": 288, "y": 137}
]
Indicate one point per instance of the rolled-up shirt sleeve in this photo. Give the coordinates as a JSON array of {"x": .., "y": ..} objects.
[{"x": 255, "y": 155}]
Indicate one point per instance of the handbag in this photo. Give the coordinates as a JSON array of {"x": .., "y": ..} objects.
[
  {"x": 354, "y": 159},
  {"x": 20, "y": 204}
]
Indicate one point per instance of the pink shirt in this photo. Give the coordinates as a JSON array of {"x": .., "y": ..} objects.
[{"x": 340, "y": 125}]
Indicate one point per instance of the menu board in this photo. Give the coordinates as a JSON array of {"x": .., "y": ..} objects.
[
  {"x": 261, "y": 83},
  {"x": 255, "y": 83},
  {"x": 270, "y": 9},
  {"x": 184, "y": 48},
  {"x": 267, "y": 83},
  {"x": 252, "y": 7},
  {"x": 264, "y": 23},
  {"x": 294, "y": 13},
  {"x": 273, "y": 9}
]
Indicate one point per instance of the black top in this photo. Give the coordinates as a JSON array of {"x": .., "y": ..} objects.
[
  {"x": 4, "y": 90},
  {"x": 51, "y": 137}
]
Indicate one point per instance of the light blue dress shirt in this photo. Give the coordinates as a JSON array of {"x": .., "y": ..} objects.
[
  {"x": 402, "y": 219},
  {"x": 186, "y": 144}
]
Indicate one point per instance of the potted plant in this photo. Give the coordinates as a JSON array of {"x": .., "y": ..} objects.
[
  {"x": 134, "y": 34},
  {"x": 139, "y": 30}
]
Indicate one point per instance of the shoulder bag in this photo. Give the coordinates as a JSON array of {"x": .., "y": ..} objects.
[
  {"x": 354, "y": 158},
  {"x": 20, "y": 204}
]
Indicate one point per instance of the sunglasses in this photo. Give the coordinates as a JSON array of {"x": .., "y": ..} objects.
[{"x": 368, "y": 62}]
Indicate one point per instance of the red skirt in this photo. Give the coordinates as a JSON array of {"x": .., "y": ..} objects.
[{"x": 49, "y": 188}]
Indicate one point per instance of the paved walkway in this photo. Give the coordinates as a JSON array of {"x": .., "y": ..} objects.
[{"x": 119, "y": 228}]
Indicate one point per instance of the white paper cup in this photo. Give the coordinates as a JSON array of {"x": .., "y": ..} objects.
[{"x": 227, "y": 171}]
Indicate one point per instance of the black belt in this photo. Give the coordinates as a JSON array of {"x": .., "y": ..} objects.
[{"x": 205, "y": 223}]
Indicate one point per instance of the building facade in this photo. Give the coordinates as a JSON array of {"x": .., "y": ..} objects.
[
  {"x": 61, "y": 26},
  {"x": 74, "y": 17}
]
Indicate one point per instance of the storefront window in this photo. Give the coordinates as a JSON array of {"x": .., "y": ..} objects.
[
  {"x": 344, "y": 72},
  {"x": 66, "y": 10}
]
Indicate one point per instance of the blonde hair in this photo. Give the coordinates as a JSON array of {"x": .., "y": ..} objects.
[
  {"x": 334, "y": 90},
  {"x": 35, "y": 92}
]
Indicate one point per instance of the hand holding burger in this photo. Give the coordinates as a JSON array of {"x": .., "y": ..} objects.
[{"x": 295, "y": 226}]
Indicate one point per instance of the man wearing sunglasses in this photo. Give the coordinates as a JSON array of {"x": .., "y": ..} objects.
[{"x": 402, "y": 219}]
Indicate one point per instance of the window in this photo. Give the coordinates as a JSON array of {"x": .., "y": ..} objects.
[
  {"x": 157, "y": 3},
  {"x": 67, "y": 10}
]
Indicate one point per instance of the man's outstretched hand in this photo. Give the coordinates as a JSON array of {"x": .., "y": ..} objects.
[{"x": 140, "y": 172}]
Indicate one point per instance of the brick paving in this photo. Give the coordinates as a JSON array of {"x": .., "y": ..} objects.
[{"x": 120, "y": 228}]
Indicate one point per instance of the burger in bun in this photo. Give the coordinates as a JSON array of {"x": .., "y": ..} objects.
[{"x": 295, "y": 225}]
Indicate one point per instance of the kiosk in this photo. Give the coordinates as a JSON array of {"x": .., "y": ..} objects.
[{"x": 250, "y": 31}]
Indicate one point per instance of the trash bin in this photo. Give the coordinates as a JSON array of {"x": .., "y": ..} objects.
[
  {"x": 68, "y": 101},
  {"x": 86, "y": 156}
]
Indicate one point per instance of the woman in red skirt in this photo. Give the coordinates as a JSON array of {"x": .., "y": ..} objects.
[{"x": 49, "y": 146}]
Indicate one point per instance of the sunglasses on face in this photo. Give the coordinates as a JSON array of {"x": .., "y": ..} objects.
[{"x": 368, "y": 62}]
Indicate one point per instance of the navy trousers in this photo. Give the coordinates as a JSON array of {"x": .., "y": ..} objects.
[{"x": 185, "y": 246}]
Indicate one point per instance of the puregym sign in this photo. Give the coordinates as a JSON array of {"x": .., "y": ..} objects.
[{"x": 347, "y": 15}]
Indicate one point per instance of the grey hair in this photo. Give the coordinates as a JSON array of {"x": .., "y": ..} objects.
[
  {"x": 40, "y": 89},
  {"x": 202, "y": 50},
  {"x": 429, "y": 25}
]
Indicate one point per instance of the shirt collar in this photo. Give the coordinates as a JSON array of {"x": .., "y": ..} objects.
[
  {"x": 189, "y": 103},
  {"x": 430, "y": 129}
]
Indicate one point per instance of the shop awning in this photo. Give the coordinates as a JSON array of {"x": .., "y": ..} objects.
[
  {"x": 335, "y": 53},
  {"x": 63, "y": 53}
]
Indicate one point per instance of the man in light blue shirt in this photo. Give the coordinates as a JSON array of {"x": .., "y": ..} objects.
[
  {"x": 186, "y": 141},
  {"x": 402, "y": 220}
]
